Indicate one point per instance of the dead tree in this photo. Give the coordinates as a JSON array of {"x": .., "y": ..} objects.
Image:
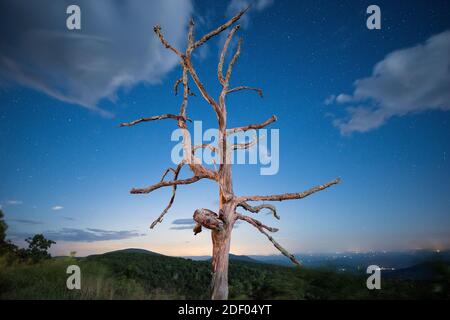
[{"x": 221, "y": 223}]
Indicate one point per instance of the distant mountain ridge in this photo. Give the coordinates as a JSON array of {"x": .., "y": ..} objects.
[
  {"x": 232, "y": 257},
  {"x": 352, "y": 262},
  {"x": 135, "y": 250}
]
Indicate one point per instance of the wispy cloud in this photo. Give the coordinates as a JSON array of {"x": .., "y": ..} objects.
[
  {"x": 184, "y": 221},
  {"x": 187, "y": 227},
  {"x": 56, "y": 208},
  {"x": 407, "y": 81},
  {"x": 116, "y": 47},
  {"x": 90, "y": 235},
  {"x": 183, "y": 224},
  {"x": 26, "y": 221}
]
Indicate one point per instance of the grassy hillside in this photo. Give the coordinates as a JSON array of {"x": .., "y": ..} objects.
[{"x": 140, "y": 275}]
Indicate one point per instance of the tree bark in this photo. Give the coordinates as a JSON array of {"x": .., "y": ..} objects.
[
  {"x": 221, "y": 240},
  {"x": 221, "y": 248}
]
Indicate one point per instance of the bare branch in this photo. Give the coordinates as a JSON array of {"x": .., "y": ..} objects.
[
  {"x": 257, "y": 209},
  {"x": 280, "y": 248},
  {"x": 246, "y": 145},
  {"x": 256, "y": 223},
  {"x": 258, "y": 90},
  {"x": 232, "y": 62},
  {"x": 223, "y": 53},
  {"x": 157, "y": 30},
  {"x": 215, "y": 32},
  {"x": 201, "y": 87},
  {"x": 289, "y": 196},
  {"x": 154, "y": 118},
  {"x": 253, "y": 126},
  {"x": 165, "y": 184},
  {"x": 175, "y": 86},
  {"x": 166, "y": 172},
  {"x": 183, "y": 107},
  {"x": 190, "y": 36},
  {"x": 172, "y": 198}
]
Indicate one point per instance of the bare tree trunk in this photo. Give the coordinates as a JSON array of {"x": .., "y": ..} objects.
[
  {"x": 221, "y": 249},
  {"x": 221, "y": 240}
]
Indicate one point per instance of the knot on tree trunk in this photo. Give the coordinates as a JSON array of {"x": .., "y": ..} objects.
[{"x": 208, "y": 219}]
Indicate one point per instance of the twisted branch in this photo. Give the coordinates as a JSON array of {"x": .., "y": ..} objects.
[{"x": 257, "y": 209}]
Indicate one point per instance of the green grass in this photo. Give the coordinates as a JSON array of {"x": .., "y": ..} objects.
[{"x": 126, "y": 275}]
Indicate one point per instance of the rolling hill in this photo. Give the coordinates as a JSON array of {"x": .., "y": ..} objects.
[{"x": 141, "y": 274}]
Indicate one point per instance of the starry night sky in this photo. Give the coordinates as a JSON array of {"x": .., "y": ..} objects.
[{"x": 66, "y": 168}]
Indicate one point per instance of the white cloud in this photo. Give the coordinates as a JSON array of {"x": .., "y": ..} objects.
[
  {"x": 407, "y": 81},
  {"x": 115, "y": 48},
  {"x": 343, "y": 98},
  {"x": 56, "y": 208}
]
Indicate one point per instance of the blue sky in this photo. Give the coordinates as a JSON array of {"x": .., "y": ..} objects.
[{"x": 66, "y": 168}]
